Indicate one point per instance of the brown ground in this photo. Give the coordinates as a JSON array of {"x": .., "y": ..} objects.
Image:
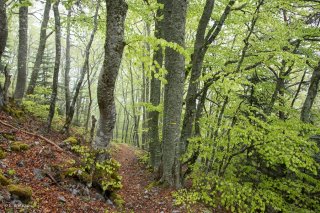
[{"x": 138, "y": 192}]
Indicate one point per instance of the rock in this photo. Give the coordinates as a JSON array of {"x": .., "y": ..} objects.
[
  {"x": 3, "y": 164},
  {"x": 36, "y": 143},
  {"x": 161, "y": 203},
  {"x": 175, "y": 211},
  {"x": 75, "y": 192},
  {"x": 86, "y": 191},
  {"x": 62, "y": 199},
  {"x": 98, "y": 196},
  {"x": 5, "y": 195},
  {"x": 38, "y": 174},
  {"x": 23, "y": 192},
  {"x": 109, "y": 202},
  {"x": 3, "y": 180},
  {"x": 16, "y": 203},
  {"x": 19, "y": 146},
  {"x": 46, "y": 184},
  {"x": 20, "y": 163}
]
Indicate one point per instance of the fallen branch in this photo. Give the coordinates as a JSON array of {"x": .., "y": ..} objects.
[{"x": 33, "y": 134}]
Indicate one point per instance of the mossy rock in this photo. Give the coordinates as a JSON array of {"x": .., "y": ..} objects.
[
  {"x": 72, "y": 141},
  {"x": 23, "y": 192},
  {"x": 3, "y": 154},
  {"x": 19, "y": 146},
  {"x": 3, "y": 180},
  {"x": 9, "y": 136},
  {"x": 75, "y": 172}
]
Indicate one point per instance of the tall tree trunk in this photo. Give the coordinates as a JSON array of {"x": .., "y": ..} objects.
[
  {"x": 174, "y": 31},
  {"x": 197, "y": 60},
  {"x": 3, "y": 27},
  {"x": 155, "y": 94},
  {"x": 41, "y": 48},
  {"x": 145, "y": 93},
  {"x": 3, "y": 42},
  {"x": 84, "y": 70},
  {"x": 22, "y": 54},
  {"x": 135, "y": 138},
  {"x": 90, "y": 100},
  {"x": 311, "y": 95},
  {"x": 67, "y": 65},
  {"x": 54, "y": 91},
  {"x": 114, "y": 45}
]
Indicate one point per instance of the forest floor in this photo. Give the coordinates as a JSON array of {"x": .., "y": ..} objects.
[{"x": 32, "y": 168}]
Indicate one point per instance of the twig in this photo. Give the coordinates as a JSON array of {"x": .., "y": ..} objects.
[{"x": 35, "y": 135}]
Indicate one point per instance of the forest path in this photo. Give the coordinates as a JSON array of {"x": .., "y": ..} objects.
[
  {"x": 29, "y": 168},
  {"x": 139, "y": 191}
]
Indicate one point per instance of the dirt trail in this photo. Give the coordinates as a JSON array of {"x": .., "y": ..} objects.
[{"x": 137, "y": 191}]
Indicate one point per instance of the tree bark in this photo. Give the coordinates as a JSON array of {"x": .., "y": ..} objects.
[
  {"x": 155, "y": 94},
  {"x": 197, "y": 61},
  {"x": 54, "y": 92},
  {"x": 3, "y": 42},
  {"x": 41, "y": 48},
  {"x": 22, "y": 54},
  {"x": 311, "y": 95},
  {"x": 200, "y": 48},
  {"x": 136, "y": 119},
  {"x": 3, "y": 27},
  {"x": 67, "y": 65},
  {"x": 84, "y": 70},
  {"x": 114, "y": 45},
  {"x": 174, "y": 31}
]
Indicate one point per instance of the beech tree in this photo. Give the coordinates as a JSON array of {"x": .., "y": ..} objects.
[
  {"x": 173, "y": 31},
  {"x": 41, "y": 48},
  {"x": 22, "y": 53},
  {"x": 54, "y": 92},
  {"x": 3, "y": 42},
  {"x": 114, "y": 45}
]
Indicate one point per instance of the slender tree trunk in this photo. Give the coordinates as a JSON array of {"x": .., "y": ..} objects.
[
  {"x": 3, "y": 27},
  {"x": 135, "y": 137},
  {"x": 3, "y": 42},
  {"x": 67, "y": 65},
  {"x": 125, "y": 115},
  {"x": 197, "y": 61},
  {"x": 90, "y": 101},
  {"x": 22, "y": 54},
  {"x": 84, "y": 70},
  {"x": 174, "y": 31},
  {"x": 311, "y": 95},
  {"x": 41, "y": 48},
  {"x": 114, "y": 45},
  {"x": 201, "y": 45},
  {"x": 54, "y": 92},
  {"x": 155, "y": 94},
  {"x": 145, "y": 93},
  {"x": 299, "y": 89}
]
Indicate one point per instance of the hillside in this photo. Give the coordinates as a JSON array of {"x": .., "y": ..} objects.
[{"x": 33, "y": 166}]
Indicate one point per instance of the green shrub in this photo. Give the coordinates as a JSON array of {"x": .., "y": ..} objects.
[
  {"x": 104, "y": 173},
  {"x": 258, "y": 165}
]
